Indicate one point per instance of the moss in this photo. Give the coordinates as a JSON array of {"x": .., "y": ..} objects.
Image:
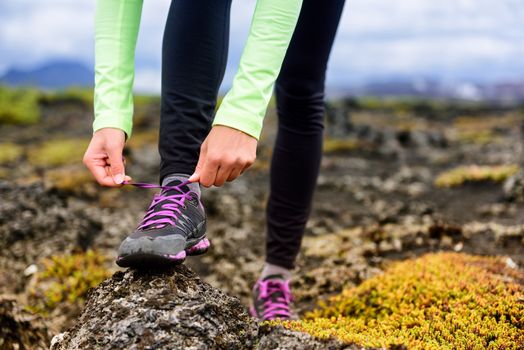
[
  {"x": 18, "y": 106},
  {"x": 144, "y": 138},
  {"x": 443, "y": 300},
  {"x": 75, "y": 179},
  {"x": 341, "y": 145},
  {"x": 58, "y": 152},
  {"x": 10, "y": 152},
  {"x": 474, "y": 173},
  {"x": 481, "y": 137},
  {"x": 66, "y": 279},
  {"x": 82, "y": 96}
]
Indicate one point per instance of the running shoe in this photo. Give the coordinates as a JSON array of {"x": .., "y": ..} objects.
[
  {"x": 173, "y": 227},
  {"x": 272, "y": 299}
]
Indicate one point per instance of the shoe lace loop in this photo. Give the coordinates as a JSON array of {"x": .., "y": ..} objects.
[{"x": 164, "y": 209}]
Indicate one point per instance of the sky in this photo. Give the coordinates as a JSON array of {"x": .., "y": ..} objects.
[{"x": 449, "y": 40}]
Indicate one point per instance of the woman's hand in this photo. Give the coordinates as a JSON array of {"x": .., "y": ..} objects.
[
  {"x": 104, "y": 159},
  {"x": 224, "y": 155}
]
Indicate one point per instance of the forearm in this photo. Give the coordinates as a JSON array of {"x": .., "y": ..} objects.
[
  {"x": 272, "y": 27},
  {"x": 116, "y": 30}
]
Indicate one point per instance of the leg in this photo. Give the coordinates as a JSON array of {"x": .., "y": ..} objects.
[
  {"x": 298, "y": 148},
  {"x": 194, "y": 56}
]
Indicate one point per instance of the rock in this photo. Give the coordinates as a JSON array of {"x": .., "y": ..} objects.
[
  {"x": 173, "y": 309},
  {"x": 167, "y": 309},
  {"x": 20, "y": 329},
  {"x": 280, "y": 338},
  {"x": 514, "y": 187},
  {"x": 36, "y": 222}
]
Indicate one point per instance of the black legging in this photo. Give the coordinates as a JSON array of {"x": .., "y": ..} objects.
[{"x": 194, "y": 58}]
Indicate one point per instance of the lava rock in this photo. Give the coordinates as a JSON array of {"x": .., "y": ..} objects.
[
  {"x": 20, "y": 329},
  {"x": 514, "y": 187},
  {"x": 160, "y": 309}
]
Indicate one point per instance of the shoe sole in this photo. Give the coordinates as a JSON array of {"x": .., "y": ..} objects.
[{"x": 149, "y": 259}]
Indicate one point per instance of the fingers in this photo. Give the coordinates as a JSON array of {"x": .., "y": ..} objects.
[
  {"x": 117, "y": 164},
  {"x": 209, "y": 171},
  {"x": 97, "y": 167},
  {"x": 234, "y": 174},
  {"x": 201, "y": 160}
]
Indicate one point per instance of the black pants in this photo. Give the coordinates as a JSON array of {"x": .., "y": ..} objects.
[{"x": 194, "y": 59}]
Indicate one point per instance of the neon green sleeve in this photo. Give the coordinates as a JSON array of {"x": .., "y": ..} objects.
[
  {"x": 116, "y": 31},
  {"x": 244, "y": 106}
]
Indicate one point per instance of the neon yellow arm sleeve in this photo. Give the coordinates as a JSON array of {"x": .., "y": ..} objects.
[
  {"x": 244, "y": 106},
  {"x": 116, "y": 30}
]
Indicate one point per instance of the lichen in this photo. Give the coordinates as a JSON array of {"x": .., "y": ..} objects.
[
  {"x": 475, "y": 173},
  {"x": 442, "y": 300}
]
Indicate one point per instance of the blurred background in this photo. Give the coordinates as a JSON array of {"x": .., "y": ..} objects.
[{"x": 423, "y": 150}]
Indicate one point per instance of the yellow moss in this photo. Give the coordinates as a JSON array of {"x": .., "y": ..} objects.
[
  {"x": 10, "y": 152},
  {"x": 438, "y": 301},
  {"x": 76, "y": 179},
  {"x": 481, "y": 137},
  {"x": 58, "y": 152},
  {"x": 143, "y": 138},
  {"x": 66, "y": 279},
  {"x": 475, "y": 173},
  {"x": 341, "y": 145}
]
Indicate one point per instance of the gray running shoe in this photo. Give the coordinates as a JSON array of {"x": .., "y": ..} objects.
[{"x": 174, "y": 226}]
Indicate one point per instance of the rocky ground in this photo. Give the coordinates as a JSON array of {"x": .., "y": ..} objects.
[{"x": 376, "y": 202}]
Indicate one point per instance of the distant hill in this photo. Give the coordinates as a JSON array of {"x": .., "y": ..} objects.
[{"x": 52, "y": 75}]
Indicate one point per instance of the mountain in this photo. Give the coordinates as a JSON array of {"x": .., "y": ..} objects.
[{"x": 52, "y": 75}]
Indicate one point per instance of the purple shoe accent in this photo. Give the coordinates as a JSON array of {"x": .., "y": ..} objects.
[
  {"x": 170, "y": 207},
  {"x": 178, "y": 257},
  {"x": 199, "y": 248},
  {"x": 272, "y": 300}
]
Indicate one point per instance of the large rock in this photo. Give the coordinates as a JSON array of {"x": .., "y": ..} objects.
[
  {"x": 172, "y": 309},
  {"x": 168, "y": 309}
]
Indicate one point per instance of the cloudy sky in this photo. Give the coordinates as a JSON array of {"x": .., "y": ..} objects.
[{"x": 453, "y": 40}]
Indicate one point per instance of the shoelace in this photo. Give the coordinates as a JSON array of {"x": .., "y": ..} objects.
[
  {"x": 275, "y": 305},
  {"x": 170, "y": 208}
]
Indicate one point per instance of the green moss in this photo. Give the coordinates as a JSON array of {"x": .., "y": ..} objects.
[
  {"x": 73, "y": 95},
  {"x": 474, "y": 173},
  {"x": 438, "y": 301},
  {"x": 72, "y": 179},
  {"x": 10, "y": 152},
  {"x": 58, "y": 152},
  {"x": 341, "y": 145},
  {"x": 66, "y": 279},
  {"x": 18, "y": 106},
  {"x": 143, "y": 138}
]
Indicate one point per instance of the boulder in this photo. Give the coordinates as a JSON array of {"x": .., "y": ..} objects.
[{"x": 173, "y": 309}]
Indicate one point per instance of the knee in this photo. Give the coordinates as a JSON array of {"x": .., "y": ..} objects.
[{"x": 300, "y": 104}]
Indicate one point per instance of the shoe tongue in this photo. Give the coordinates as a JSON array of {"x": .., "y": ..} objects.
[
  {"x": 183, "y": 189},
  {"x": 275, "y": 276}
]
